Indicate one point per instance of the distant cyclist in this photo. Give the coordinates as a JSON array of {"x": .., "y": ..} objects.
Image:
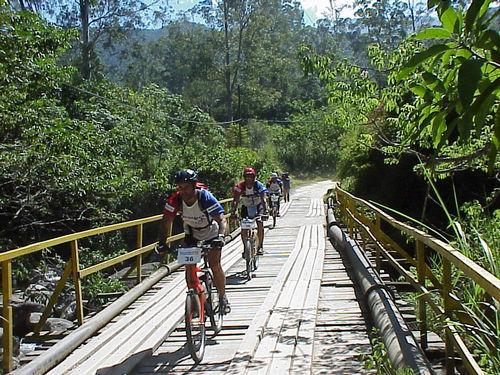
[
  {"x": 203, "y": 218},
  {"x": 287, "y": 181},
  {"x": 253, "y": 195},
  {"x": 275, "y": 186}
]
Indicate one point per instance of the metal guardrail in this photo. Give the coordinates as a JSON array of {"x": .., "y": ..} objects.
[
  {"x": 73, "y": 269},
  {"x": 437, "y": 292}
]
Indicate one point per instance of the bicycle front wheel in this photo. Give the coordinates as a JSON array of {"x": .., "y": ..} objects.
[
  {"x": 248, "y": 257},
  {"x": 195, "y": 327}
]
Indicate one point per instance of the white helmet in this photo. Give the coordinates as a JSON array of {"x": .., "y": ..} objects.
[{"x": 273, "y": 175}]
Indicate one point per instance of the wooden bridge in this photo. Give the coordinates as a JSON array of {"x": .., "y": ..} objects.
[{"x": 301, "y": 313}]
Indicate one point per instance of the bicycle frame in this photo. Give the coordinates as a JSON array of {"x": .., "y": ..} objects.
[
  {"x": 199, "y": 299},
  {"x": 197, "y": 288},
  {"x": 250, "y": 244},
  {"x": 274, "y": 201}
]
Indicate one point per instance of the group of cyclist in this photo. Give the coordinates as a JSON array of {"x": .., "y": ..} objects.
[{"x": 203, "y": 216}]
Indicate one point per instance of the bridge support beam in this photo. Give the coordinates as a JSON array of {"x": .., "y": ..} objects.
[{"x": 402, "y": 349}]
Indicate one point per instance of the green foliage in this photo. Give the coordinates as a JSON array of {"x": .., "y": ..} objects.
[
  {"x": 456, "y": 82},
  {"x": 437, "y": 101},
  {"x": 97, "y": 283},
  {"x": 379, "y": 358},
  {"x": 309, "y": 141},
  {"x": 480, "y": 233},
  {"x": 386, "y": 21},
  {"x": 250, "y": 71},
  {"x": 103, "y": 22},
  {"x": 79, "y": 156}
]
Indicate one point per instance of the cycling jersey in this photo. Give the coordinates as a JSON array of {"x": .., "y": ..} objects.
[
  {"x": 286, "y": 182},
  {"x": 250, "y": 197},
  {"x": 197, "y": 218},
  {"x": 274, "y": 187}
]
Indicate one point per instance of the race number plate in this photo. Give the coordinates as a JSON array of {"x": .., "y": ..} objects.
[
  {"x": 248, "y": 224},
  {"x": 275, "y": 198},
  {"x": 188, "y": 255}
]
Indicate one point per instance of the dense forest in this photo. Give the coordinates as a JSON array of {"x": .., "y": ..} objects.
[{"x": 102, "y": 101}]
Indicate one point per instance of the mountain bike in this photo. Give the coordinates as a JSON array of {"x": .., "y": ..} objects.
[
  {"x": 274, "y": 200},
  {"x": 250, "y": 245},
  {"x": 201, "y": 301}
]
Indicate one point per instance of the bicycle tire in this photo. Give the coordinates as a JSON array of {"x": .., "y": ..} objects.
[
  {"x": 195, "y": 327},
  {"x": 255, "y": 258},
  {"x": 212, "y": 305},
  {"x": 248, "y": 257}
]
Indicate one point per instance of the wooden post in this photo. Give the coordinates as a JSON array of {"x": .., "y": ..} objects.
[
  {"x": 352, "y": 207},
  {"x": 7, "y": 321},
  {"x": 378, "y": 226},
  {"x": 139, "y": 257},
  {"x": 422, "y": 313},
  {"x": 78, "y": 282},
  {"x": 228, "y": 222},
  {"x": 449, "y": 349}
]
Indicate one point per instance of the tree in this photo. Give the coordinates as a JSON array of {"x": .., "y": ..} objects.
[
  {"x": 190, "y": 59},
  {"x": 456, "y": 83},
  {"x": 231, "y": 24},
  {"x": 103, "y": 21},
  {"x": 383, "y": 21}
]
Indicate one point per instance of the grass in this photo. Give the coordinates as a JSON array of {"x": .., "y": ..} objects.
[{"x": 303, "y": 178}]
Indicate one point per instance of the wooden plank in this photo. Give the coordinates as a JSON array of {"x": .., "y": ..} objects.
[
  {"x": 254, "y": 333},
  {"x": 303, "y": 355},
  {"x": 116, "y": 341},
  {"x": 285, "y": 315},
  {"x": 110, "y": 338}
]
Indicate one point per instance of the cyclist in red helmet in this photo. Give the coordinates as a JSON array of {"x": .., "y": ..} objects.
[{"x": 253, "y": 195}]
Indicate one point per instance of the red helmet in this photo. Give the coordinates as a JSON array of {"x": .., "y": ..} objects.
[{"x": 249, "y": 171}]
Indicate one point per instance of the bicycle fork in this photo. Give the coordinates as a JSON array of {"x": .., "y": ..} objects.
[{"x": 196, "y": 288}]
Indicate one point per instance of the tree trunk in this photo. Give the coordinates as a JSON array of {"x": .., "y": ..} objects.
[
  {"x": 84, "y": 15},
  {"x": 227, "y": 68}
]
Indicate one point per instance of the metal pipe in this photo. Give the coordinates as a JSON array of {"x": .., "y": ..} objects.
[
  {"x": 63, "y": 348},
  {"x": 402, "y": 349}
]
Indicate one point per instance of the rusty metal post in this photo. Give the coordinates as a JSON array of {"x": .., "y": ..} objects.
[
  {"x": 139, "y": 257},
  {"x": 422, "y": 313},
  {"x": 449, "y": 349},
  {"x": 7, "y": 321},
  {"x": 378, "y": 253},
  {"x": 77, "y": 281}
]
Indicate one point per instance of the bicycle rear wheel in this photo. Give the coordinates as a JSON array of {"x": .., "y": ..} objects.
[
  {"x": 195, "y": 327},
  {"x": 212, "y": 305},
  {"x": 248, "y": 257},
  {"x": 255, "y": 261}
]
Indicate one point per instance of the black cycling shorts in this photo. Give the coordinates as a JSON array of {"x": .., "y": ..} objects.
[{"x": 190, "y": 241}]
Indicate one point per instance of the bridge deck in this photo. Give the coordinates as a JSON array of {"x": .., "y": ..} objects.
[{"x": 299, "y": 314}]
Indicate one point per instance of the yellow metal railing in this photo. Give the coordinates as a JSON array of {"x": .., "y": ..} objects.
[
  {"x": 73, "y": 269},
  {"x": 365, "y": 220}
]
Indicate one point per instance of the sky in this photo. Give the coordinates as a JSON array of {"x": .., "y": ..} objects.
[{"x": 313, "y": 9}]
